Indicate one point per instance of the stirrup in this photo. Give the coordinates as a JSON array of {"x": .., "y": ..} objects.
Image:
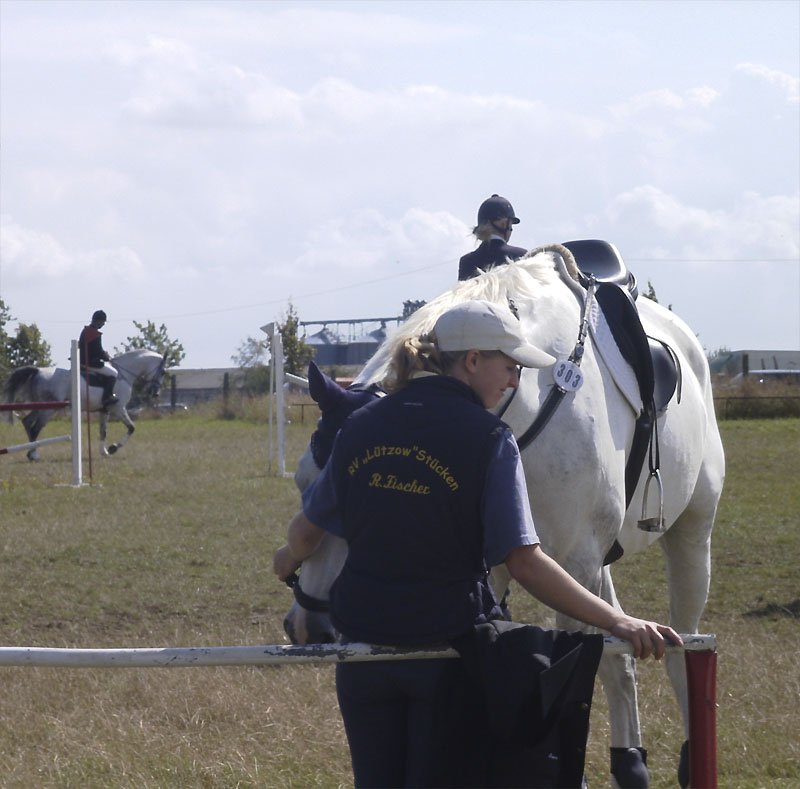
[{"x": 655, "y": 524}]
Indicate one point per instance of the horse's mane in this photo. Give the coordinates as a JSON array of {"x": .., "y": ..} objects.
[{"x": 518, "y": 280}]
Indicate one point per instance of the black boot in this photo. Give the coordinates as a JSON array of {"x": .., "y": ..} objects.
[{"x": 109, "y": 398}]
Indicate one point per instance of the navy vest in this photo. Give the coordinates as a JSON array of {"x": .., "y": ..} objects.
[{"x": 409, "y": 474}]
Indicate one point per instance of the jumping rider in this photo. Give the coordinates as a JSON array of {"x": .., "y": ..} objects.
[
  {"x": 94, "y": 359},
  {"x": 427, "y": 488},
  {"x": 496, "y": 219}
]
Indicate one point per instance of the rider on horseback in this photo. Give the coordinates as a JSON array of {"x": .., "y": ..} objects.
[
  {"x": 94, "y": 359},
  {"x": 496, "y": 219}
]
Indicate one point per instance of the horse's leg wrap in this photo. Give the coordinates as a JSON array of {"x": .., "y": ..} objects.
[{"x": 629, "y": 768}]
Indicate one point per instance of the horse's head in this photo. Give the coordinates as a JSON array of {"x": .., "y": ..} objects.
[
  {"x": 156, "y": 377},
  {"x": 336, "y": 404},
  {"x": 308, "y": 621}
]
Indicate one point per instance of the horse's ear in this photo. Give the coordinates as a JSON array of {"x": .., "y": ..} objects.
[{"x": 324, "y": 391}]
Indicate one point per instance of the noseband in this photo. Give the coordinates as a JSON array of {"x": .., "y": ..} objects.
[{"x": 314, "y": 604}]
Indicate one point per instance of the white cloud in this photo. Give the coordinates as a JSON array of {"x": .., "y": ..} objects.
[
  {"x": 182, "y": 87},
  {"x": 369, "y": 242},
  {"x": 27, "y": 254},
  {"x": 789, "y": 85},
  {"x": 177, "y": 85},
  {"x": 754, "y": 228},
  {"x": 664, "y": 100}
]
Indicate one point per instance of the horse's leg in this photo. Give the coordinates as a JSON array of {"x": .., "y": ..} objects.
[
  {"x": 34, "y": 422},
  {"x": 618, "y": 675},
  {"x": 687, "y": 548},
  {"x": 103, "y": 431},
  {"x": 121, "y": 413}
]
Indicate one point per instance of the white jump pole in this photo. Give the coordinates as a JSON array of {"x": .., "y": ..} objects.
[
  {"x": 33, "y": 444},
  {"x": 146, "y": 657},
  {"x": 75, "y": 400}
]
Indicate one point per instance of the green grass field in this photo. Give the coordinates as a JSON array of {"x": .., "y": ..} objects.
[{"x": 172, "y": 546}]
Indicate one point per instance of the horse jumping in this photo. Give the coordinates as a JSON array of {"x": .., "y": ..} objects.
[{"x": 53, "y": 383}]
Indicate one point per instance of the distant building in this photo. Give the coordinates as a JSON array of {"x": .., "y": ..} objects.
[
  {"x": 328, "y": 347},
  {"x": 199, "y": 386},
  {"x": 332, "y": 350},
  {"x": 731, "y": 363}
]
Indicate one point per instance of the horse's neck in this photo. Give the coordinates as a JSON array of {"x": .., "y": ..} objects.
[
  {"x": 133, "y": 363},
  {"x": 552, "y": 320}
]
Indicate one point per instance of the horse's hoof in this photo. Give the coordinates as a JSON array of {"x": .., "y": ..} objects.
[
  {"x": 683, "y": 765},
  {"x": 629, "y": 768},
  {"x": 112, "y": 449}
]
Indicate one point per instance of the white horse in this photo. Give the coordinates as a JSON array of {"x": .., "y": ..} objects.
[
  {"x": 46, "y": 384},
  {"x": 575, "y": 470}
]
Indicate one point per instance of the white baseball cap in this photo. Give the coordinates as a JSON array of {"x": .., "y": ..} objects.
[{"x": 484, "y": 326}]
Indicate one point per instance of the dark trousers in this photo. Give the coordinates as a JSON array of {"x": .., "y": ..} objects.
[{"x": 392, "y": 715}]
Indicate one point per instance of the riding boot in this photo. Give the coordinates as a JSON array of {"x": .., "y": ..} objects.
[{"x": 109, "y": 398}]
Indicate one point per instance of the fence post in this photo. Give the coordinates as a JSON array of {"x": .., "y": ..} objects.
[
  {"x": 701, "y": 675},
  {"x": 75, "y": 404}
]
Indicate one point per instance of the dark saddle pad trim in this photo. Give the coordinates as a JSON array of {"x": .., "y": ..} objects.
[
  {"x": 623, "y": 319},
  {"x": 95, "y": 379}
]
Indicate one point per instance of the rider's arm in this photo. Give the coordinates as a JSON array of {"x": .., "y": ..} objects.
[{"x": 546, "y": 580}]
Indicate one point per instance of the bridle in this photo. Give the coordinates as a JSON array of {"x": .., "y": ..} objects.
[
  {"x": 153, "y": 380},
  {"x": 567, "y": 375}
]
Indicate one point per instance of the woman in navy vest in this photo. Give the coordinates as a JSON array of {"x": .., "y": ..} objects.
[
  {"x": 427, "y": 488},
  {"x": 496, "y": 220}
]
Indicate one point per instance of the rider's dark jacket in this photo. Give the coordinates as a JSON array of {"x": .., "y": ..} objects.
[
  {"x": 491, "y": 253},
  {"x": 409, "y": 473},
  {"x": 90, "y": 345}
]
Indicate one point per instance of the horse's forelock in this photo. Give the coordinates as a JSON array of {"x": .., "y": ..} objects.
[{"x": 518, "y": 280}]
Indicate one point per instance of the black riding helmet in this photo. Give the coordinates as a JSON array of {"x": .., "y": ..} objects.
[{"x": 495, "y": 208}]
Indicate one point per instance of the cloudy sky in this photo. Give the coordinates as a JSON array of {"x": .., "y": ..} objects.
[{"x": 202, "y": 164}]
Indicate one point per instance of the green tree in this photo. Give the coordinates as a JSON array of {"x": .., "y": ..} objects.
[
  {"x": 296, "y": 354},
  {"x": 27, "y": 346},
  {"x": 251, "y": 353},
  {"x": 5, "y": 357},
  {"x": 252, "y": 357},
  {"x": 650, "y": 293},
  {"x": 156, "y": 339}
]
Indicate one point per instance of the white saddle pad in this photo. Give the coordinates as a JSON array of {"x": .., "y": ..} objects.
[{"x": 620, "y": 370}]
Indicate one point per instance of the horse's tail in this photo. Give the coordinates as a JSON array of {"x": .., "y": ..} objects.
[{"x": 20, "y": 380}]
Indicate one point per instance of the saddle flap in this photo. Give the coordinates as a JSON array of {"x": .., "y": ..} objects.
[{"x": 94, "y": 379}]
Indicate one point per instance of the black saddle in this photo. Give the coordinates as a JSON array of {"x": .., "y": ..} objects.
[
  {"x": 603, "y": 261},
  {"x": 94, "y": 379},
  {"x": 654, "y": 363}
]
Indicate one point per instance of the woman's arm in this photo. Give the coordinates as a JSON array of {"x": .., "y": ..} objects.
[
  {"x": 302, "y": 539},
  {"x": 547, "y": 581}
]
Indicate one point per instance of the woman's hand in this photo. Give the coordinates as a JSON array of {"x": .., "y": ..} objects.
[
  {"x": 283, "y": 563},
  {"x": 647, "y": 638}
]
